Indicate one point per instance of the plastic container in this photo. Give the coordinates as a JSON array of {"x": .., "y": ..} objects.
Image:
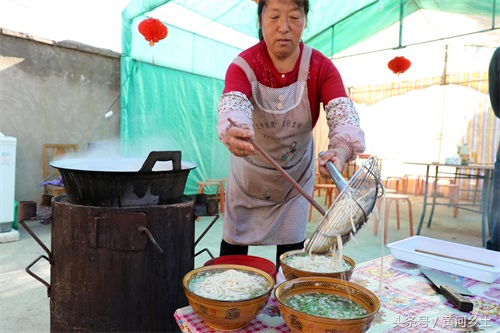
[
  {"x": 7, "y": 181},
  {"x": 464, "y": 260},
  {"x": 241, "y": 259}
]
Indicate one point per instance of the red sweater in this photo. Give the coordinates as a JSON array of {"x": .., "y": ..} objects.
[{"x": 324, "y": 82}]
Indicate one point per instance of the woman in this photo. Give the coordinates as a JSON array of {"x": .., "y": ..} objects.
[{"x": 272, "y": 93}]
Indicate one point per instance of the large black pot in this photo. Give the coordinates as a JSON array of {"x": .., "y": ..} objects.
[{"x": 122, "y": 182}]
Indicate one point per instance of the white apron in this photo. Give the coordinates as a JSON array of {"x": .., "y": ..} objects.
[{"x": 262, "y": 207}]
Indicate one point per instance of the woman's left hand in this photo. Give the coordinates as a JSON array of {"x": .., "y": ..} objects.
[{"x": 337, "y": 156}]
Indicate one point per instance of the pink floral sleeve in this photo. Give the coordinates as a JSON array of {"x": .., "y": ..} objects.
[
  {"x": 234, "y": 105},
  {"x": 343, "y": 121}
]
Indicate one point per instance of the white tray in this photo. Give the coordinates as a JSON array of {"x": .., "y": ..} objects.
[{"x": 406, "y": 250}]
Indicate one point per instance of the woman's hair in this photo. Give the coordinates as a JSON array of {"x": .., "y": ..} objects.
[{"x": 302, "y": 4}]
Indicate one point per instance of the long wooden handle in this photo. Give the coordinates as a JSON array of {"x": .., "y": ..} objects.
[
  {"x": 283, "y": 172},
  {"x": 451, "y": 257}
]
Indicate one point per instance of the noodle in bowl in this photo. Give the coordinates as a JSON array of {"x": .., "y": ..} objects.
[
  {"x": 227, "y": 297},
  {"x": 298, "y": 263}
]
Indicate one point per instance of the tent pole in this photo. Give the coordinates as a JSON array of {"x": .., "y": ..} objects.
[
  {"x": 445, "y": 67},
  {"x": 443, "y": 110},
  {"x": 333, "y": 39},
  {"x": 401, "y": 18},
  {"x": 493, "y": 11},
  {"x": 415, "y": 44}
]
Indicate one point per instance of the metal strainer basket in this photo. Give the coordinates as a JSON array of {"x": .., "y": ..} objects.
[{"x": 351, "y": 209}]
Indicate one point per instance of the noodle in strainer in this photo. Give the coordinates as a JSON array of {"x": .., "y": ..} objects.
[{"x": 350, "y": 210}]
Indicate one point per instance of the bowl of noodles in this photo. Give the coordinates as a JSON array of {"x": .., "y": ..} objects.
[
  {"x": 324, "y": 304},
  {"x": 227, "y": 297},
  {"x": 298, "y": 263}
]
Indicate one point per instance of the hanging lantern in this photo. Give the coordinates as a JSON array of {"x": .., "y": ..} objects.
[
  {"x": 399, "y": 65},
  {"x": 153, "y": 30}
]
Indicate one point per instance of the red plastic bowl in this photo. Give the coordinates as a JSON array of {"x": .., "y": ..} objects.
[{"x": 252, "y": 261}]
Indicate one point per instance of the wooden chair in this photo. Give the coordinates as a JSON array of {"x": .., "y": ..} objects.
[
  {"x": 392, "y": 195},
  {"x": 331, "y": 190},
  {"x": 350, "y": 169},
  {"x": 321, "y": 184},
  {"x": 220, "y": 193},
  {"x": 453, "y": 189},
  {"x": 389, "y": 198},
  {"x": 413, "y": 184},
  {"x": 53, "y": 152}
]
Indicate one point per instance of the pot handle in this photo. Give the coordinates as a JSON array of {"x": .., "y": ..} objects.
[
  {"x": 148, "y": 233},
  {"x": 28, "y": 270},
  {"x": 50, "y": 257},
  {"x": 155, "y": 156}
]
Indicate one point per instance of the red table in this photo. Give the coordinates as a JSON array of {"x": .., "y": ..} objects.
[{"x": 408, "y": 304}]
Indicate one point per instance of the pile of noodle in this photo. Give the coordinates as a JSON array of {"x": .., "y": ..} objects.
[
  {"x": 229, "y": 285},
  {"x": 317, "y": 263}
]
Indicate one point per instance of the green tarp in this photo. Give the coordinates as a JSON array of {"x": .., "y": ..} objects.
[{"x": 173, "y": 110}]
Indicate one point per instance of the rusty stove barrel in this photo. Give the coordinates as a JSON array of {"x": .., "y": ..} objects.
[{"x": 119, "y": 269}]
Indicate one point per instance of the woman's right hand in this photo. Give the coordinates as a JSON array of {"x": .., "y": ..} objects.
[{"x": 237, "y": 141}]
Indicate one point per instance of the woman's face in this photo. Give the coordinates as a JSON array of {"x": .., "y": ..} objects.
[{"x": 282, "y": 24}]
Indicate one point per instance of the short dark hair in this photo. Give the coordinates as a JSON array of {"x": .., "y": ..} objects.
[{"x": 302, "y": 4}]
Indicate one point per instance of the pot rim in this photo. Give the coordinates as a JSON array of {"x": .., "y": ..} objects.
[{"x": 115, "y": 165}]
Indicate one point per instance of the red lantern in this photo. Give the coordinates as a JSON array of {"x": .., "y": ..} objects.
[
  {"x": 153, "y": 30},
  {"x": 399, "y": 65}
]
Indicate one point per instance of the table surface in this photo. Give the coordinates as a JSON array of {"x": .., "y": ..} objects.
[{"x": 408, "y": 303}]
